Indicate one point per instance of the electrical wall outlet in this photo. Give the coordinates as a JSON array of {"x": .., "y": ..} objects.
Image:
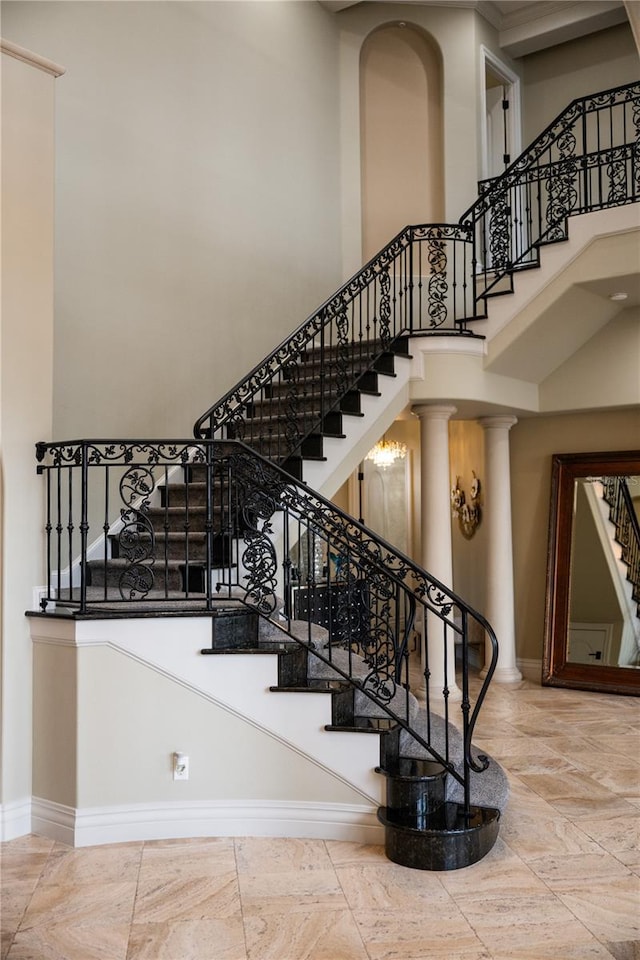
[
  {"x": 39, "y": 593},
  {"x": 180, "y": 766}
]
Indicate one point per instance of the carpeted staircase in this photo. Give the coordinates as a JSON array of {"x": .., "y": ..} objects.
[{"x": 172, "y": 530}]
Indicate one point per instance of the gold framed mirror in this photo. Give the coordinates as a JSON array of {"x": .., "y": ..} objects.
[{"x": 592, "y": 620}]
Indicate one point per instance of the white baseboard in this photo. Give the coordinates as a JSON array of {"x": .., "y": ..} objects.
[
  {"x": 165, "y": 821},
  {"x": 15, "y": 819},
  {"x": 53, "y": 820},
  {"x": 530, "y": 669}
]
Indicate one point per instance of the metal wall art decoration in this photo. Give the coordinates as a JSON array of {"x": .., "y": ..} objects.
[{"x": 468, "y": 513}]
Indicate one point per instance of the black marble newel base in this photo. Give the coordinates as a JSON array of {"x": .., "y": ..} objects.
[
  {"x": 450, "y": 842},
  {"x": 415, "y": 790}
]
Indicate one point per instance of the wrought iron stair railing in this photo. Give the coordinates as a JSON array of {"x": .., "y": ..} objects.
[
  {"x": 437, "y": 278},
  {"x": 250, "y": 533},
  {"x": 623, "y": 516},
  {"x": 587, "y": 159}
]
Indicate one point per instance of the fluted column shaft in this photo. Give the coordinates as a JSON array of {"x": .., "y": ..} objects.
[
  {"x": 437, "y": 554},
  {"x": 500, "y": 606}
]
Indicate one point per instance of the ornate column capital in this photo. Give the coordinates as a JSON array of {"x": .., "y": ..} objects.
[
  {"x": 505, "y": 422},
  {"x": 434, "y": 411}
]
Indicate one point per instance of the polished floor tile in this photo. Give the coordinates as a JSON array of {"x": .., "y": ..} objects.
[{"x": 561, "y": 883}]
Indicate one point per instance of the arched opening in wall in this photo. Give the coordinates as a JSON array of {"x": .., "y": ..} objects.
[{"x": 402, "y": 156}]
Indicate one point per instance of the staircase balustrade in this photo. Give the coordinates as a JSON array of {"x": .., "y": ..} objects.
[
  {"x": 436, "y": 278},
  {"x": 220, "y": 520},
  {"x": 206, "y": 523}
]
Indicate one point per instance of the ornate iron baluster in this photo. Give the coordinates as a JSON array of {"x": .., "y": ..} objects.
[
  {"x": 385, "y": 308},
  {"x": 617, "y": 177},
  {"x": 342, "y": 358},
  {"x": 635, "y": 150},
  {"x": 258, "y": 498},
  {"x": 499, "y": 234},
  {"x": 438, "y": 287},
  {"x": 291, "y": 372},
  {"x": 561, "y": 187},
  {"x": 136, "y": 538}
]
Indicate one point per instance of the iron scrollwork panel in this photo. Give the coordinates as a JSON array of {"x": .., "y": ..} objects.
[
  {"x": 136, "y": 538},
  {"x": 562, "y": 195},
  {"x": 258, "y": 499}
]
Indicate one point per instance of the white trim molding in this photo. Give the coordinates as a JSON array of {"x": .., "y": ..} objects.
[
  {"x": 15, "y": 819},
  {"x": 530, "y": 669},
  {"x": 241, "y": 818},
  {"x": 512, "y": 80},
  {"x": 33, "y": 59}
]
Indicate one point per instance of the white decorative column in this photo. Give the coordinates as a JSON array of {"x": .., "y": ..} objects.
[
  {"x": 500, "y": 608},
  {"x": 437, "y": 553}
]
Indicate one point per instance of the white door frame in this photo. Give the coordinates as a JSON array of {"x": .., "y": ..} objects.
[{"x": 512, "y": 81}]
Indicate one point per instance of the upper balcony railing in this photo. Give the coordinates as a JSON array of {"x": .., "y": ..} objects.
[
  {"x": 435, "y": 279},
  {"x": 587, "y": 159}
]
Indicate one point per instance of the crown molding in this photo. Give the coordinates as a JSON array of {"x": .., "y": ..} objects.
[{"x": 529, "y": 26}]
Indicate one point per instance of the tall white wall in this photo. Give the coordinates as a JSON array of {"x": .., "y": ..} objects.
[
  {"x": 26, "y": 342},
  {"x": 197, "y": 198}
]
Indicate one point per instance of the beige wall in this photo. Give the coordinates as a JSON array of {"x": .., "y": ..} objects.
[
  {"x": 466, "y": 454},
  {"x": 197, "y": 198},
  {"x": 554, "y": 77},
  {"x": 55, "y": 723},
  {"x": 458, "y": 33},
  {"x": 533, "y": 442},
  {"x": 106, "y": 728},
  {"x": 401, "y": 134},
  {"x": 605, "y": 372},
  {"x": 25, "y": 389}
]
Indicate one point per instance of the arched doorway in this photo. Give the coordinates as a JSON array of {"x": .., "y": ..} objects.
[{"x": 402, "y": 166}]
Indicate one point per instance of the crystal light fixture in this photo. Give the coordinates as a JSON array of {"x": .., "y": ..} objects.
[{"x": 386, "y": 452}]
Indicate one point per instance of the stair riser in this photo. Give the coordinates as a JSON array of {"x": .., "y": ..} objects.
[
  {"x": 234, "y": 630},
  {"x": 441, "y": 849},
  {"x": 413, "y": 803},
  {"x": 151, "y": 577},
  {"x": 277, "y": 426},
  {"x": 182, "y": 521},
  {"x": 177, "y": 549},
  {"x": 177, "y": 495}
]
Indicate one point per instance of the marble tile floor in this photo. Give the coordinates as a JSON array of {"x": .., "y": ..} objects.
[{"x": 562, "y": 882}]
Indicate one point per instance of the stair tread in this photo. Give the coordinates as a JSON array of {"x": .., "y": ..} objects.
[
  {"x": 276, "y": 647},
  {"x": 448, "y": 818},
  {"x": 367, "y": 725},
  {"x": 411, "y": 769},
  {"x": 125, "y": 562},
  {"x": 317, "y": 685}
]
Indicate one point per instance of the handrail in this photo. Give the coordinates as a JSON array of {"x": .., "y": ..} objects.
[
  {"x": 577, "y": 108},
  {"x": 273, "y": 543},
  {"x": 420, "y": 280},
  {"x": 436, "y": 278},
  {"x": 586, "y": 159}
]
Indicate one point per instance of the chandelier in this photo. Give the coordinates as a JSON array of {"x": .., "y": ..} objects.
[{"x": 386, "y": 452}]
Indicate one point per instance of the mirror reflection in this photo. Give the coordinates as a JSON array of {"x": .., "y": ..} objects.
[
  {"x": 604, "y": 626},
  {"x": 592, "y": 616}
]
